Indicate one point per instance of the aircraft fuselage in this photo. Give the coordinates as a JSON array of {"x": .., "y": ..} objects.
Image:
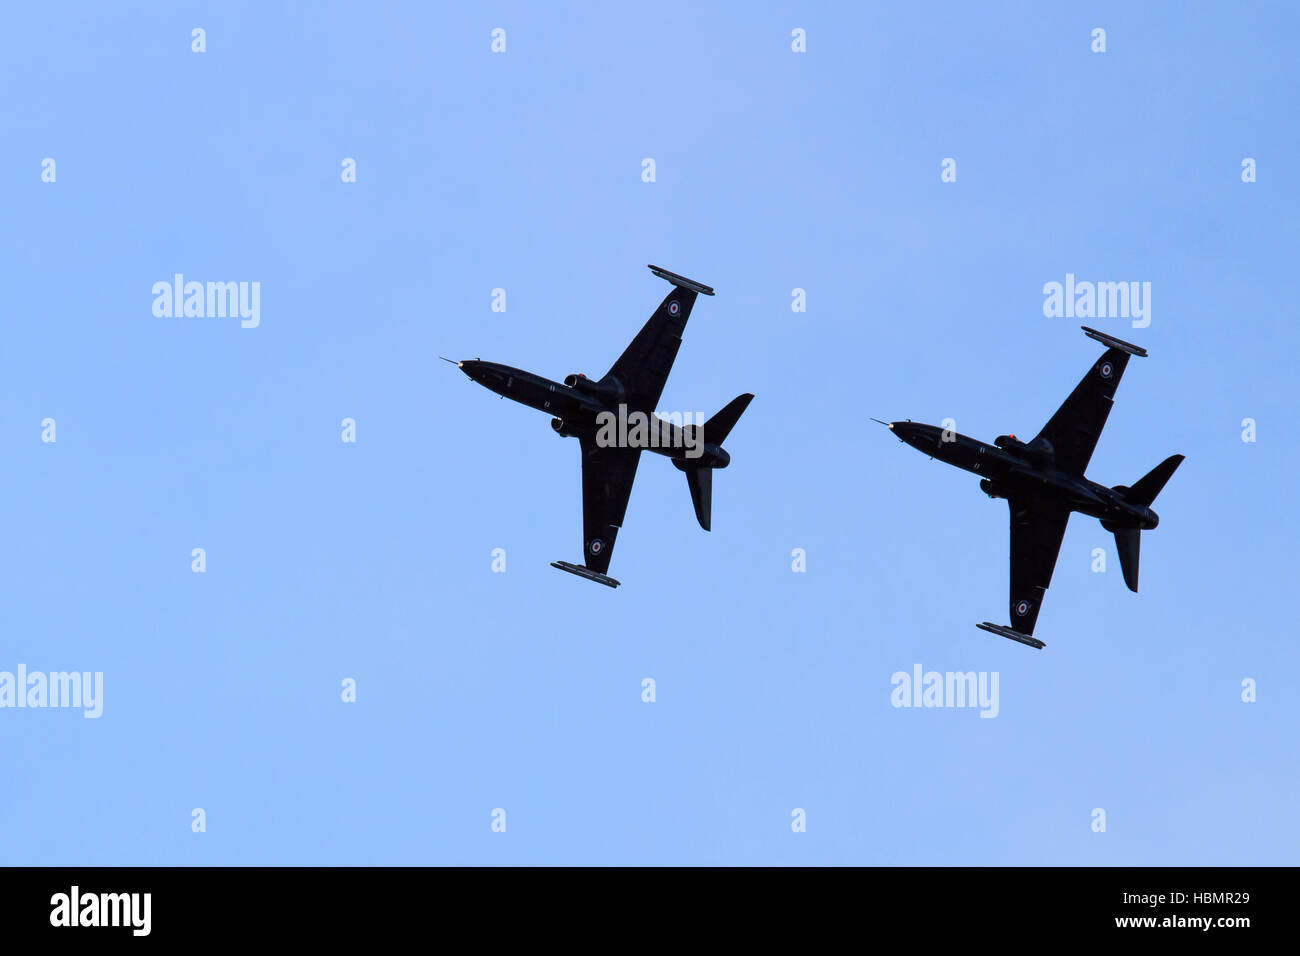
[
  {"x": 1008, "y": 472},
  {"x": 575, "y": 410}
]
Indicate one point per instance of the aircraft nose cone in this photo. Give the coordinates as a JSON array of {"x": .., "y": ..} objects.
[
  {"x": 922, "y": 437},
  {"x": 907, "y": 431}
]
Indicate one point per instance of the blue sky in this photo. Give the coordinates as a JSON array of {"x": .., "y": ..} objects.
[{"x": 522, "y": 170}]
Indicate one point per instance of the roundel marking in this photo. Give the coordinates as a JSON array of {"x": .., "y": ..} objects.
[
  {"x": 674, "y": 307},
  {"x": 596, "y": 546},
  {"x": 1022, "y": 608},
  {"x": 1105, "y": 370}
]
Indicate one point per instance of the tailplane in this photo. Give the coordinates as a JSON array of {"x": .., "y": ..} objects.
[
  {"x": 1128, "y": 542},
  {"x": 717, "y": 428},
  {"x": 700, "y": 481},
  {"x": 699, "y": 478},
  {"x": 1150, "y": 485}
]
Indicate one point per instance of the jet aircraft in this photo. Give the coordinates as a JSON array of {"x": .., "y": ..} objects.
[
  {"x": 1043, "y": 481},
  {"x": 606, "y": 417}
]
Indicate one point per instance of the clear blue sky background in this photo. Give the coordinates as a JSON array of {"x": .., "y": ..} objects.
[{"x": 523, "y": 690}]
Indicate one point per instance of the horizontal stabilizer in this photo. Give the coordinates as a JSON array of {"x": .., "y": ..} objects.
[
  {"x": 682, "y": 281},
  {"x": 1128, "y": 542},
  {"x": 717, "y": 428},
  {"x": 1113, "y": 343},
  {"x": 1153, "y": 482},
  {"x": 700, "y": 481},
  {"x": 587, "y": 573},
  {"x": 1012, "y": 635}
]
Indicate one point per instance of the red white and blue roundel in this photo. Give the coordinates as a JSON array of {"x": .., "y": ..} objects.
[
  {"x": 674, "y": 307},
  {"x": 1106, "y": 370},
  {"x": 1022, "y": 608},
  {"x": 596, "y": 546}
]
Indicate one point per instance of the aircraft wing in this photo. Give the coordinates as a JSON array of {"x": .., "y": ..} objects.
[
  {"x": 1037, "y": 528},
  {"x": 607, "y": 476},
  {"x": 1077, "y": 424},
  {"x": 644, "y": 365}
]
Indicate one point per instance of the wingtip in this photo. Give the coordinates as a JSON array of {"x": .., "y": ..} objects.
[
  {"x": 1012, "y": 634},
  {"x": 680, "y": 280},
  {"x": 584, "y": 572},
  {"x": 1112, "y": 342}
]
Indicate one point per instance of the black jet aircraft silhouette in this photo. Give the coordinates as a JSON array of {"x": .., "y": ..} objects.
[
  {"x": 592, "y": 410},
  {"x": 1043, "y": 481}
]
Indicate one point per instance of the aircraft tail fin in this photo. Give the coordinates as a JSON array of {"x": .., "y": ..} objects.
[
  {"x": 700, "y": 481},
  {"x": 1128, "y": 542},
  {"x": 699, "y": 478},
  {"x": 717, "y": 428},
  {"x": 1150, "y": 484}
]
